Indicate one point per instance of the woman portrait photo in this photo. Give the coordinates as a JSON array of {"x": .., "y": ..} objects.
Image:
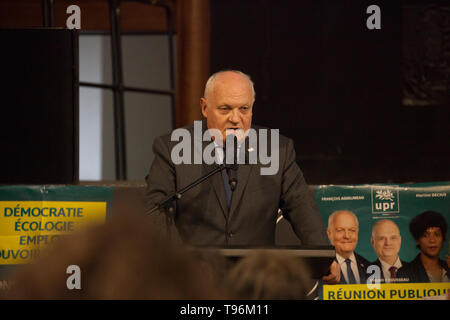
[{"x": 429, "y": 230}]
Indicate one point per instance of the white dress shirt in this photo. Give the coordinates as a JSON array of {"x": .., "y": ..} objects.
[{"x": 353, "y": 265}]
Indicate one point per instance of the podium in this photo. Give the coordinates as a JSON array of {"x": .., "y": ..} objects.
[{"x": 317, "y": 258}]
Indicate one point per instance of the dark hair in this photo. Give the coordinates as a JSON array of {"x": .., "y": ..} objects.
[
  {"x": 425, "y": 220},
  {"x": 212, "y": 264}
]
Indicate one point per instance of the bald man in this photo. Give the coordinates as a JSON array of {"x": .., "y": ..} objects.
[
  {"x": 212, "y": 215},
  {"x": 386, "y": 242}
]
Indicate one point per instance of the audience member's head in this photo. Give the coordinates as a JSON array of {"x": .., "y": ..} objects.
[
  {"x": 212, "y": 264},
  {"x": 269, "y": 275},
  {"x": 125, "y": 259}
]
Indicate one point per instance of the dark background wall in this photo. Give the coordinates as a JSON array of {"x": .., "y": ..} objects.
[
  {"x": 39, "y": 127},
  {"x": 362, "y": 106},
  {"x": 335, "y": 87}
]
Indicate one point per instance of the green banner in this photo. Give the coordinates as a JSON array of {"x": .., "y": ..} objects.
[{"x": 32, "y": 217}]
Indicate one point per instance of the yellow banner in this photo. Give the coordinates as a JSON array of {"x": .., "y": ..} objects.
[
  {"x": 385, "y": 291},
  {"x": 28, "y": 226}
]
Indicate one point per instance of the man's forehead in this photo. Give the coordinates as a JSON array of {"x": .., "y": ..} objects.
[
  {"x": 345, "y": 217},
  {"x": 387, "y": 232},
  {"x": 386, "y": 226}
]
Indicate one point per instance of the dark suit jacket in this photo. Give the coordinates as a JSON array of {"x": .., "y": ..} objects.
[
  {"x": 362, "y": 264},
  {"x": 415, "y": 272},
  {"x": 202, "y": 216}
]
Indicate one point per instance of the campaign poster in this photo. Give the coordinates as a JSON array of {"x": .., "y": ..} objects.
[
  {"x": 32, "y": 217},
  {"x": 399, "y": 203}
]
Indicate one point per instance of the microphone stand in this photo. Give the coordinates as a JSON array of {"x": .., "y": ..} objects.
[{"x": 167, "y": 203}]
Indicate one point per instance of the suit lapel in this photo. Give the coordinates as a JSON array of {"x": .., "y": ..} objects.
[
  {"x": 215, "y": 181},
  {"x": 342, "y": 279},
  {"x": 378, "y": 263},
  {"x": 362, "y": 268}
]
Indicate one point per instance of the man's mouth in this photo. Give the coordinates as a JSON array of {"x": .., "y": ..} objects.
[{"x": 235, "y": 131}]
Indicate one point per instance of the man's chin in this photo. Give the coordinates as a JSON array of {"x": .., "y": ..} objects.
[{"x": 345, "y": 251}]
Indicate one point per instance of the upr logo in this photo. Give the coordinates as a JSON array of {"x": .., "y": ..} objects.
[{"x": 385, "y": 199}]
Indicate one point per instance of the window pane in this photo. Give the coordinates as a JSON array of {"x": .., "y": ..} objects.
[
  {"x": 146, "y": 61},
  {"x": 147, "y": 116},
  {"x": 96, "y": 139},
  {"x": 95, "y": 59}
]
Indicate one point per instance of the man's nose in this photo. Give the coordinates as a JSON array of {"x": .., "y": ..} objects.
[{"x": 234, "y": 116}]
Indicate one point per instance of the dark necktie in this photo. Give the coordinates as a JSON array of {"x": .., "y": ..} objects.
[
  {"x": 393, "y": 271},
  {"x": 350, "y": 275},
  {"x": 226, "y": 184}
]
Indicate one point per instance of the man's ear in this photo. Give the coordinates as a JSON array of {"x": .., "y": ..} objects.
[
  {"x": 203, "y": 106},
  {"x": 329, "y": 236}
]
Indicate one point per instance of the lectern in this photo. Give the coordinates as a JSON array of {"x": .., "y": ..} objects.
[{"x": 317, "y": 258}]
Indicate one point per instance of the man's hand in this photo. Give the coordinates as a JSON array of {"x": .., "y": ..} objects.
[{"x": 335, "y": 274}]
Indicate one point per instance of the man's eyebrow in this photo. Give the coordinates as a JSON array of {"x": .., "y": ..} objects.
[{"x": 228, "y": 106}]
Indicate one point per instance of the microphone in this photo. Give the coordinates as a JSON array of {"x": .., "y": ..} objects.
[{"x": 232, "y": 168}]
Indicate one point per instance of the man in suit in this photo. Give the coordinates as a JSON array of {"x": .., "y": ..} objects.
[
  {"x": 212, "y": 215},
  {"x": 386, "y": 242},
  {"x": 342, "y": 231}
]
